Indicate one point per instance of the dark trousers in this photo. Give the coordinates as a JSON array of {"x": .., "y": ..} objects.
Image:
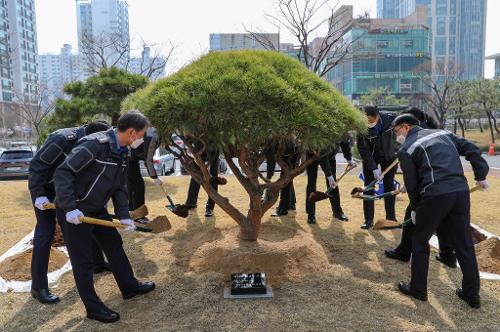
[
  {"x": 287, "y": 199},
  {"x": 135, "y": 186},
  {"x": 312, "y": 175},
  {"x": 451, "y": 210},
  {"x": 79, "y": 241},
  {"x": 194, "y": 187},
  {"x": 445, "y": 245},
  {"x": 390, "y": 202},
  {"x": 42, "y": 242}
]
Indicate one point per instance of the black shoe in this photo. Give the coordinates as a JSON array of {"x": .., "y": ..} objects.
[
  {"x": 450, "y": 262},
  {"x": 100, "y": 268},
  {"x": 311, "y": 219},
  {"x": 394, "y": 254},
  {"x": 104, "y": 316},
  {"x": 44, "y": 296},
  {"x": 340, "y": 216},
  {"x": 406, "y": 289},
  {"x": 209, "y": 213},
  {"x": 474, "y": 301},
  {"x": 142, "y": 288},
  {"x": 190, "y": 206},
  {"x": 279, "y": 213},
  {"x": 293, "y": 207},
  {"x": 367, "y": 225}
]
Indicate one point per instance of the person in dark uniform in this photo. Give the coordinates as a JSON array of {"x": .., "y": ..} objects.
[
  {"x": 136, "y": 187},
  {"x": 271, "y": 168},
  {"x": 291, "y": 157},
  {"x": 402, "y": 252},
  {"x": 328, "y": 164},
  {"x": 94, "y": 172},
  {"x": 377, "y": 148},
  {"x": 41, "y": 186},
  {"x": 439, "y": 194}
]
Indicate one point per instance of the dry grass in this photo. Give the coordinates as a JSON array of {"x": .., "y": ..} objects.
[
  {"x": 356, "y": 291},
  {"x": 481, "y": 138}
]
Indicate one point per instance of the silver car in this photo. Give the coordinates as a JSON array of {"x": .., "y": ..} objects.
[
  {"x": 163, "y": 161},
  {"x": 15, "y": 163}
]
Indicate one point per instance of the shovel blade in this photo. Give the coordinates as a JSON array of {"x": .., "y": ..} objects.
[
  {"x": 179, "y": 210},
  {"x": 386, "y": 224},
  {"x": 159, "y": 225},
  {"x": 317, "y": 196},
  {"x": 357, "y": 190}
]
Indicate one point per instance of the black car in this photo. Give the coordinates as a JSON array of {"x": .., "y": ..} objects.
[{"x": 15, "y": 163}]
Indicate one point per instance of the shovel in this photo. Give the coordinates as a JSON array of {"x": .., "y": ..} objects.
[
  {"x": 376, "y": 197},
  {"x": 317, "y": 196},
  {"x": 157, "y": 225},
  {"x": 140, "y": 212},
  {"x": 180, "y": 210},
  {"x": 374, "y": 182}
]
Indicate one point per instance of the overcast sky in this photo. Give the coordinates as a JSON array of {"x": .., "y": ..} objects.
[{"x": 187, "y": 23}]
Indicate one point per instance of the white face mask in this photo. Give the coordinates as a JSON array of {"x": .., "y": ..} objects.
[
  {"x": 135, "y": 144},
  {"x": 400, "y": 139},
  {"x": 372, "y": 125}
]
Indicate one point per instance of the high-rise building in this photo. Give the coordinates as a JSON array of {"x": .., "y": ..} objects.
[
  {"x": 103, "y": 21},
  {"x": 18, "y": 52},
  {"x": 56, "y": 70},
  {"x": 146, "y": 64},
  {"x": 458, "y": 31},
  {"x": 496, "y": 57},
  {"x": 244, "y": 41},
  {"x": 386, "y": 53}
]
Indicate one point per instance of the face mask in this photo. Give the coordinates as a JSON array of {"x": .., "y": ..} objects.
[
  {"x": 372, "y": 125},
  {"x": 135, "y": 144},
  {"x": 400, "y": 139}
]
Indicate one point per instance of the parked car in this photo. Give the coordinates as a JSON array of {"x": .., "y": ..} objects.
[
  {"x": 263, "y": 167},
  {"x": 178, "y": 141},
  {"x": 164, "y": 163},
  {"x": 15, "y": 163},
  {"x": 1, "y": 151}
]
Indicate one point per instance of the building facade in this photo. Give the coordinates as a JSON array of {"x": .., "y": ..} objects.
[
  {"x": 18, "y": 52},
  {"x": 103, "y": 21},
  {"x": 56, "y": 70},
  {"x": 395, "y": 8},
  {"x": 143, "y": 65},
  {"x": 496, "y": 57},
  {"x": 244, "y": 41},
  {"x": 458, "y": 30},
  {"x": 386, "y": 53}
]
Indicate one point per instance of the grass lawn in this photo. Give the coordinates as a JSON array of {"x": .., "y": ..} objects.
[
  {"x": 354, "y": 290},
  {"x": 482, "y": 139}
]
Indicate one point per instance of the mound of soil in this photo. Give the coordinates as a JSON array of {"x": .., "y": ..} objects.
[
  {"x": 18, "y": 267},
  {"x": 477, "y": 236},
  {"x": 58, "y": 240},
  {"x": 488, "y": 255},
  {"x": 283, "y": 253}
]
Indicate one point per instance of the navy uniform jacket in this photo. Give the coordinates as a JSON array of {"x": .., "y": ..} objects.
[
  {"x": 377, "y": 147},
  {"x": 49, "y": 157},
  {"x": 94, "y": 172},
  {"x": 430, "y": 160},
  {"x": 146, "y": 151}
]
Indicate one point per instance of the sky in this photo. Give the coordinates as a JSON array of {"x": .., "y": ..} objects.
[{"x": 188, "y": 23}]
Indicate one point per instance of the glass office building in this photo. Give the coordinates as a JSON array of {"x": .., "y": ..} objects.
[
  {"x": 496, "y": 57},
  {"x": 387, "y": 53}
]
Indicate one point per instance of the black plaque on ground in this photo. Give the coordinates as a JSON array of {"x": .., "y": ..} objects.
[{"x": 248, "y": 283}]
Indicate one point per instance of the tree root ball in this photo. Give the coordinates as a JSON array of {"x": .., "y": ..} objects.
[
  {"x": 18, "y": 267},
  {"x": 285, "y": 254}
]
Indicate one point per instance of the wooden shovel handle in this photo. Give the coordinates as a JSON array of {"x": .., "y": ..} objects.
[
  {"x": 391, "y": 166},
  {"x": 101, "y": 222},
  {"x": 49, "y": 206},
  {"x": 347, "y": 170}
]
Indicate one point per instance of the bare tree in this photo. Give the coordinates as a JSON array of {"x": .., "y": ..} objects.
[
  {"x": 112, "y": 50},
  {"x": 439, "y": 78},
  {"x": 301, "y": 19},
  {"x": 33, "y": 109}
]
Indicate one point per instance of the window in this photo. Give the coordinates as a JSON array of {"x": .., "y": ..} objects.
[
  {"x": 382, "y": 43},
  {"x": 441, "y": 26},
  {"x": 441, "y": 45},
  {"x": 406, "y": 43}
]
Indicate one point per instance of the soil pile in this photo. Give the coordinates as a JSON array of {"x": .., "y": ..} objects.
[
  {"x": 488, "y": 255},
  {"x": 283, "y": 253},
  {"x": 18, "y": 267}
]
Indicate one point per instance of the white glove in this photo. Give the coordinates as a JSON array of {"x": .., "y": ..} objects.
[
  {"x": 73, "y": 217},
  {"x": 158, "y": 182},
  {"x": 483, "y": 184},
  {"x": 352, "y": 163},
  {"x": 414, "y": 217},
  {"x": 331, "y": 182},
  {"x": 129, "y": 223},
  {"x": 40, "y": 202},
  {"x": 377, "y": 174}
]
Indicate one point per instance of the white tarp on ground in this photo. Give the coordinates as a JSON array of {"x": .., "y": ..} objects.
[
  {"x": 25, "y": 286},
  {"x": 483, "y": 275}
]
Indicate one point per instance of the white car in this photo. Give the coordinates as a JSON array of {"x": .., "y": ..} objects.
[{"x": 164, "y": 163}]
